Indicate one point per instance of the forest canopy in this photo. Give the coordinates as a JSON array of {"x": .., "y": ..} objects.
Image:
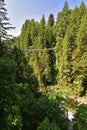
[{"x": 46, "y": 54}]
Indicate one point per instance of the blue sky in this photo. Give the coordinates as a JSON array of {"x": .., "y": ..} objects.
[{"x": 20, "y": 10}]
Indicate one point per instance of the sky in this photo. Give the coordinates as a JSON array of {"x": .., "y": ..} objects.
[{"x": 20, "y": 10}]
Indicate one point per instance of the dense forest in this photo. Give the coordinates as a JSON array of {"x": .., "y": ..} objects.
[{"x": 41, "y": 69}]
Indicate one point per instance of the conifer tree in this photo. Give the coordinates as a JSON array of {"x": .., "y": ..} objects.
[
  {"x": 80, "y": 56},
  {"x": 65, "y": 7},
  {"x": 50, "y": 20},
  {"x": 4, "y": 21},
  {"x": 4, "y": 27},
  {"x": 62, "y": 20},
  {"x": 60, "y": 30},
  {"x": 42, "y": 59},
  {"x": 25, "y": 39},
  {"x": 68, "y": 47},
  {"x": 29, "y": 33},
  {"x": 75, "y": 17},
  {"x": 50, "y": 43}
]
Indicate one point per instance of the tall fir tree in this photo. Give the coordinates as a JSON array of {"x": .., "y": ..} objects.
[
  {"x": 62, "y": 20},
  {"x": 50, "y": 20},
  {"x": 80, "y": 55},
  {"x": 43, "y": 61},
  {"x": 4, "y": 21},
  {"x": 60, "y": 28},
  {"x": 4, "y": 26},
  {"x": 50, "y": 43}
]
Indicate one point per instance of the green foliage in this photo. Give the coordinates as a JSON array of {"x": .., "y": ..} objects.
[
  {"x": 4, "y": 22},
  {"x": 62, "y": 21},
  {"x": 28, "y": 107},
  {"x": 71, "y": 48},
  {"x": 4, "y": 26},
  {"x": 67, "y": 65},
  {"x": 34, "y": 111},
  {"x": 51, "y": 20},
  {"x": 65, "y": 7},
  {"x": 80, "y": 55},
  {"x": 41, "y": 60},
  {"x": 24, "y": 73},
  {"x": 21, "y": 105},
  {"x": 10, "y": 118},
  {"x": 29, "y": 34},
  {"x": 80, "y": 121},
  {"x": 46, "y": 125}
]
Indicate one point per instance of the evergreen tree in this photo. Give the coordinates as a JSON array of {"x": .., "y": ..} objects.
[
  {"x": 4, "y": 27},
  {"x": 66, "y": 66},
  {"x": 29, "y": 33},
  {"x": 24, "y": 73},
  {"x": 4, "y": 21},
  {"x": 65, "y": 7},
  {"x": 60, "y": 30},
  {"x": 50, "y": 43},
  {"x": 75, "y": 18},
  {"x": 62, "y": 20},
  {"x": 40, "y": 60},
  {"x": 66, "y": 45},
  {"x": 82, "y": 8},
  {"x": 50, "y": 20},
  {"x": 25, "y": 38},
  {"x": 80, "y": 56}
]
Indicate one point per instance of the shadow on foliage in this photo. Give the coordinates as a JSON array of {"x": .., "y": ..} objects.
[
  {"x": 24, "y": 73},
  {"x": 80, "y": 118},
  {"x": 35, "y": 110}
]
